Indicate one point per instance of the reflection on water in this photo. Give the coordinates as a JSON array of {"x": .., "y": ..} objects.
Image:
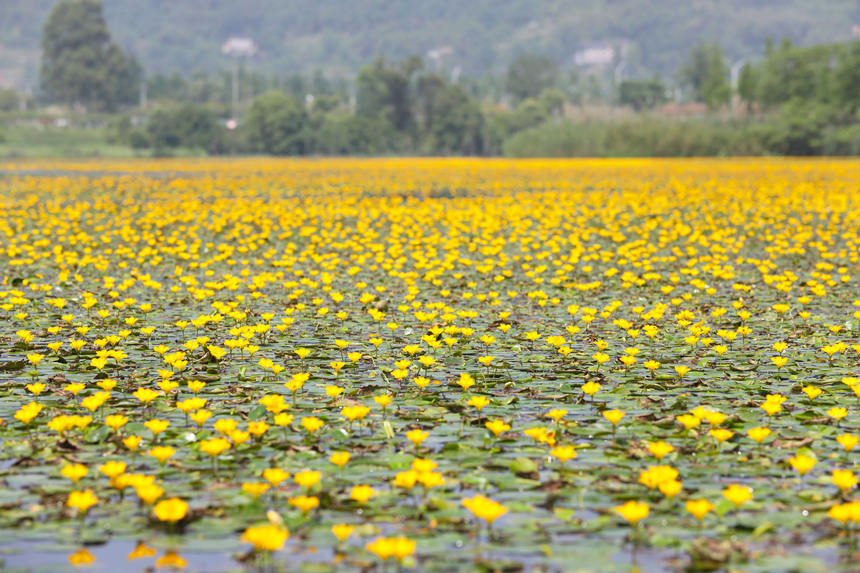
[{"x": 124, "y": 556}]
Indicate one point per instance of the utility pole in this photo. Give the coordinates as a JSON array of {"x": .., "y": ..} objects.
[
  {"x": 234, "y": 100},
  {"x": 237, "y": 48},
  {"x": 143, "y": 95},
  {"x": 734, "y": 75}
]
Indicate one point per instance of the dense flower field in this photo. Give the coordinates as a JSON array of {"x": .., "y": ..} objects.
[{"x": 430, "y": 364}]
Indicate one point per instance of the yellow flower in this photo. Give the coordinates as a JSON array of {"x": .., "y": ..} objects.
[
  {"x": 148, "y": 492},
  {"x": 591, "y": 388},
  {"x": 383, "y": 400},
  {"x": 266, "y": 537},
  {"x": 255, "y": 489},
  {"x": 75, "y": 388},
  {"x": 116, "y": 421},
  {"x": 342, "y": 531},
  {"x": 563, "y": 453},
  {"x": 738, "y": 494},
  {"x": 670, "y": 488},
  {"x": 307, "y": 479},
  {"x": 191, "y": 404},
  {"x": 112, "y": 469},
  {"x": 37, "y": 388},
  {"x": 771, "y": 408},
  {"x": 161, "y": 453},
  {"x": 28, "y": 411},
  {"x": 846, "y": 512},
  {"x": 171, "y": 510},
  {"x": 466, "y": 381},
  {"x": 656, "y": 475},
  {"x": 275, "y": 476},
  {"x": 633, "y": 511},
  {"x": 200, "y": 416},
  {"x": 699, "y": 508},
  {"x": 811, "y": 391},
  {"x": 416, "y": 436},
  {"x": 600, "y": 358},
  {"x": 362, "y": 493},
  {"x": 353, "y": 413},
  {"x": 312, "y": 424},
  {"x": 802, "y": 463},
  {"x": 484, "y": 508},
  {"x": 333, "y": 391},
  {"x": 614, "y": 416},
  {"x": 156, "y": 426},
  {"x": 556, "y": 414},
  {"x": 758, "y": 434},
  {"x": 339, "y": 458},
  {"x": 304, "y": 503},
  {"x": 387, "y": 547},
  {"x": 478, "y": 402},
  {"x": 844, "y": 479},
  {"x": 497, "y": 426},
  {"x": 689, "y": 421},
  {"x": 82, "y": 500},
  {"x": 660, "y": 449},
  {"x": 837, "y": 413},
  {"x": 74, "y": 472},
  {"x": 848, "y": 441},
  {"x": 226, "y": 426},
  {"x": 132, "y": 442},
  {"x": 721, "y": 434},
  {"x": 215, "y": 446},
  {"x": 145, "y": 395}
]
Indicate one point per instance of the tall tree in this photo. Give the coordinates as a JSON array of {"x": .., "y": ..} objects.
[
  {"x": 277, "y": 124},
  {"x": 81, "y": 64},
  {"x": 707, "y": 74},
  {"x": 451, "y": 121},
  {"x": 748, "y": 85},
  {"x": 384, "y": 91},
  {"x": 529, "y": 75}
]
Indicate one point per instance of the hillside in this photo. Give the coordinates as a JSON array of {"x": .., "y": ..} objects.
[{"x": 338, "y": 37}]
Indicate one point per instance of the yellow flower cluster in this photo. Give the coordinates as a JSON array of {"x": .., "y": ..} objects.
[{"x": 381, "y": 354}]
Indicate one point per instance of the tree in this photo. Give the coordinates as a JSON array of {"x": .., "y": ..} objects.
[
  {"x": 383, "y": 91},
  {"x": 277, "y": 124},
  {"x": 642, "y": 94},
  {"x": 186, "y": 125},
  {"x": 9, "y": 100},
  {"x": 848, "y": 79},
  {"x": 748, "y": 85},
  {"x": 451, "y": 121},
  {"x": 529, "y": 75},
  {"x": 707, "y": 74},
  {"x": 81, "y": 64},
  {"x": 552, "y": 101}
]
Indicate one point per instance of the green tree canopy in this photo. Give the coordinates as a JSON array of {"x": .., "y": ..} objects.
[
  {"x": 642, "y": 94},
  {"x": 81, "y": 64},
  {"x": 707, "y": 74},
  {"x": 451, "y": 121},
  {"x": 277, "y": 124},
  {"x": 529, "y": 75}
]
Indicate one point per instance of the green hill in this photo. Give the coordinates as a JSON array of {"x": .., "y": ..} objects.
[{"x": 337, "y": 36}]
